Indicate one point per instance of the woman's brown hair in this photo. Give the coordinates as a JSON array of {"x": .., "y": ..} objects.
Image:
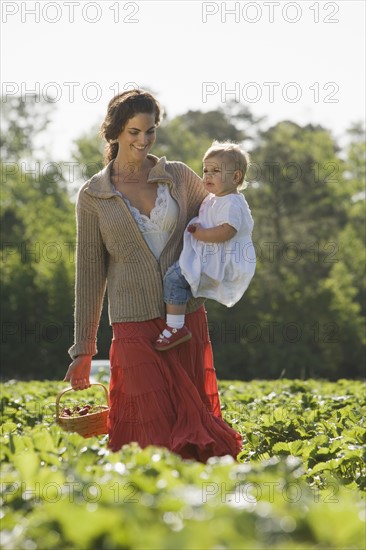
[{"x": 121, "y": 108}]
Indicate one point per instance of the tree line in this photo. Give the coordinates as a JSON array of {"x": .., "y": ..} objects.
[{"x": 303, "y": 314}]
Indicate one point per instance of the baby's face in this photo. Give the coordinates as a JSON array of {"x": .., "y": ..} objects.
[{"x": 220, "y": 176}]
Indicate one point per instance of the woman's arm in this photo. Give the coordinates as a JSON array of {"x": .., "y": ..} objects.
[{"x": 90, "y": 280}]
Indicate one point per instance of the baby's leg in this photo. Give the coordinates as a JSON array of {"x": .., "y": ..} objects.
[
  {"x": 176, "y": 309},
  {"x": 176, "y": 295}
]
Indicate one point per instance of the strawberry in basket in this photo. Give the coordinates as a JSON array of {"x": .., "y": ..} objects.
[
  {"x": 81, "y": 411},
  {"x": 87, "y": 420}
]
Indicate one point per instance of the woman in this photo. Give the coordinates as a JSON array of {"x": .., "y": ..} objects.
[{"x": 130, "y": 222}]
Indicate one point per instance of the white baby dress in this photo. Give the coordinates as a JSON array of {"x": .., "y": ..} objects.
[{"x": 220, "y": 271}]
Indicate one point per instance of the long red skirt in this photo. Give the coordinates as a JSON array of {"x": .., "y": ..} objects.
[{"x": 168, "y": 398}]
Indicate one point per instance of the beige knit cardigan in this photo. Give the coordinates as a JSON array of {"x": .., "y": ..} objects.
[{"x": 112, "y": 253}]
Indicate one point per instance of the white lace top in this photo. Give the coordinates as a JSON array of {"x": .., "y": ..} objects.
[{"x": 157, "y": 227}]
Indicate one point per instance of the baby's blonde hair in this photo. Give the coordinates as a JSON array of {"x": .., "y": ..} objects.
[{"x": 235, "y": 153}]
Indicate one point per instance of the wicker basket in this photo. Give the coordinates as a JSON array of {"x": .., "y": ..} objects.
[{"x": 88, "y": 425}]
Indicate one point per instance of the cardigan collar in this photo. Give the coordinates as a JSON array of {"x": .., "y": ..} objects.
[{"x": 100, "y": 184}]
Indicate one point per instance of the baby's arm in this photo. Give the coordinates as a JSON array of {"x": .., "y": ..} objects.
[{"x": 218, "y": 234}]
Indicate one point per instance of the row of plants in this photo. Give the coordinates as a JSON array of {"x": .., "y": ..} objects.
[{"x": 298, "y": 483}]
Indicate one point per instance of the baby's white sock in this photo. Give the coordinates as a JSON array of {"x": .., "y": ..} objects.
[{"x": 173, "y": 321}]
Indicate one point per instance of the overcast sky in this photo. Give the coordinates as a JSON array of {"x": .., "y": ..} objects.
[{"x": 302, "y": 60}]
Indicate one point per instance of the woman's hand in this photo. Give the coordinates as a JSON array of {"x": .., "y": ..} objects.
[{"x": 78, "y": 372}]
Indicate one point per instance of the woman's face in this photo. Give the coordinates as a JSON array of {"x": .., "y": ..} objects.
[{"x": 137, "y": 138}]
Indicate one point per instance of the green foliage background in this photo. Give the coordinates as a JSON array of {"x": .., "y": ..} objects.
[
  {"x": 303, "y": 314},
  {"x": 298, "y": 484}
]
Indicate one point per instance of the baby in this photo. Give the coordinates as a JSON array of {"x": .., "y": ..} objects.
[{"x": 218, "y": 257}]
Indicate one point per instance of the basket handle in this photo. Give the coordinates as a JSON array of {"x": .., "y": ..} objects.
[{"x": 72, "y": 389}]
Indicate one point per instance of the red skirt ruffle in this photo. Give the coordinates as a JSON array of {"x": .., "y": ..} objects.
[{"x": 168, "y": 398}]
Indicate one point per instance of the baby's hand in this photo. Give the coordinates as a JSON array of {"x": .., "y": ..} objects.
[{"x": 196, "y": 230}]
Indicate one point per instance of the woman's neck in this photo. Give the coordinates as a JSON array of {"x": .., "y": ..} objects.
[
  {"x": 124, "y": 172},
  {"x": 125, "y": 166}
]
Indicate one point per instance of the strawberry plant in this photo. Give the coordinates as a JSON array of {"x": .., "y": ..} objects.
[{"x": 298, "y": 483}]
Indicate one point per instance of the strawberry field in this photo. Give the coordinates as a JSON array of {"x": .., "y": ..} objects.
[{"x": 299, "y": 482}]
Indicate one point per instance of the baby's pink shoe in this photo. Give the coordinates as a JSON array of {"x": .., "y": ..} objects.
[{"x": 177, "y": 336}]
